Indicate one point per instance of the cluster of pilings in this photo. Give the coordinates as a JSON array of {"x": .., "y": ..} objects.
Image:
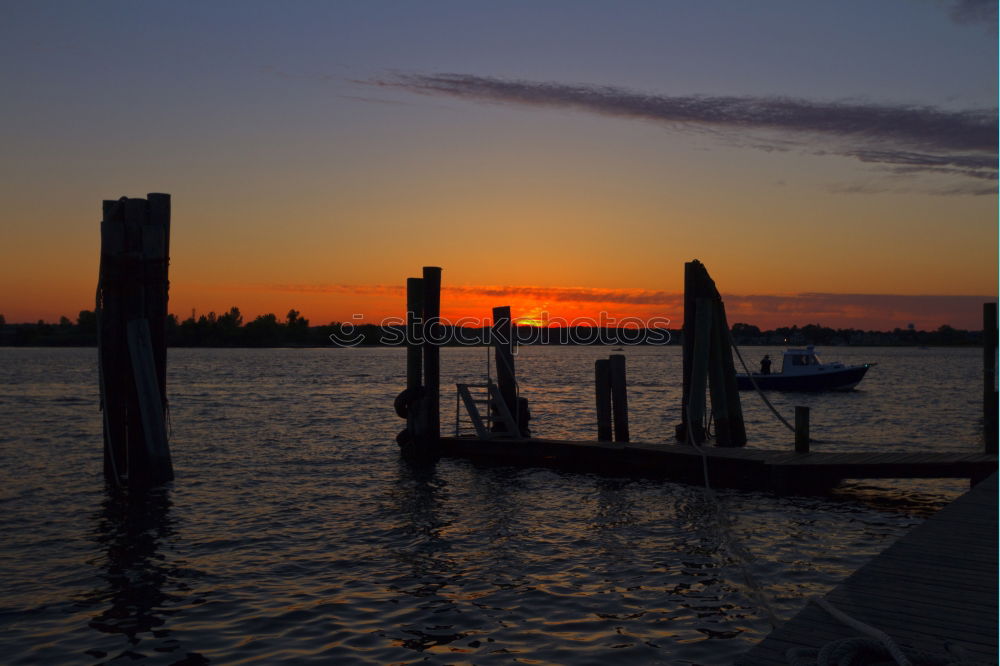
[
  {"x": 707, "y": 359},
  {"x": 419, "y": 403},
  {"x": 132, "y": 345}
]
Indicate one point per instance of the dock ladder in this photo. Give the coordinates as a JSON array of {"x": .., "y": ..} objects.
[{"x": 487, "y": 394}]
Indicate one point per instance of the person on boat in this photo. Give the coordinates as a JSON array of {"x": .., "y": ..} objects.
[{"x": 765, "y": 365}]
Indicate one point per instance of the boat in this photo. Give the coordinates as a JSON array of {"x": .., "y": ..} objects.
[{"x": 801, "y": 370}]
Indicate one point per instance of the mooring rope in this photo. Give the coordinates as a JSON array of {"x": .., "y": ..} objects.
[
  {"x": 877, "y": 647},
  {"x": 727, "y": 540},
  {"x": 757, "y": 388}
]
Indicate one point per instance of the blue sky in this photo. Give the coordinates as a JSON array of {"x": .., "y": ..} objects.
[{"x": 289, "y": 165}]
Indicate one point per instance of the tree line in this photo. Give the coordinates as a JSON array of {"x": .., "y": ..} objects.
[{"x": 230, "y": 330}]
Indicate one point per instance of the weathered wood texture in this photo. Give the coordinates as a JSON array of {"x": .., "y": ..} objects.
[
  {"x": 761, "y": 469},
  {"x": 707, "y": 358},
  {"x": 602, "y": 391},
  {"x": 801, "y": 429},
  {"x": 990, "y": 377},
  {"x": 431, "y": 400},
  {"x": 132, "y": 352},
  {"x": 619, "y": 397},
  {"x": 501, "y": 337},
  {"x": 937, "y": 583}
]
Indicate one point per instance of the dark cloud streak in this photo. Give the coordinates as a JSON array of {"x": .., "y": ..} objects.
[{"x": 959, "y": 142}]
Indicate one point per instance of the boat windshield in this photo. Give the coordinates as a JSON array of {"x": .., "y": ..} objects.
[{"x": 804, "y": 359}]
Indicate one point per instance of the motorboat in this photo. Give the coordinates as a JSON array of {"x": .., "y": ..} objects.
[{"x": 801, "y": 370}]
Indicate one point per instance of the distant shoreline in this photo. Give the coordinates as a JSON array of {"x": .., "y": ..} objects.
[{"x": 267, "y": 331}]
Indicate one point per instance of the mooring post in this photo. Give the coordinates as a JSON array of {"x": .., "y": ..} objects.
[
  {"x": 729, "y": 425},
  {"x": 112, "y": 372},
  {"x": 619, "y": 397},
  {"x": 602, "y": 389},
  {"x": 432, "y": 369},
  {"x": 687, "y": 350},
  {"x": 990, "y": 378},
  {"x": 502, "y": 336},
  {"x": 132, "y": 315},
  {"x": 801, "y": 429},
  {"x": 414, "y": 321},
  {"x": 699, "y": 368},
  {"x": 414, "y": 363}
]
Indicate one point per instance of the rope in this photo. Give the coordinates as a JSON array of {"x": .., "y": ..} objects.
[
  {"x": 877, "y": 634},
  {"x": 877, "y": 648},
  {"x": 727, "y": 541},
  {"x": 757, "y": 388}
]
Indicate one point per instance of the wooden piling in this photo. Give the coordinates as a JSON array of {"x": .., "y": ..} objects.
[
  {"x": 989, "y": 378},
  {"x": 602, "y": 390},
  {"x": 730, "y": 429},
  {"x": 726, "y": 406},
  {"x": 699, "y": 368},
  {"x": 432, "y": 369},
  {"x": 619, "y": 397},
  {"x": 414, "y": 324},
  {"x": 409, "y": 404},
  {"x": 132, "y": 356},
  {"x": 801, "y": 429},
  {"x": 502, "y": 338},
  {"x": 691, "y": 284}
]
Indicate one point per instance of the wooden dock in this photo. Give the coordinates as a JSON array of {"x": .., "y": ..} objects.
[
  {"x": 782, "y": 472},
  {"x": 937, "y": 583}
]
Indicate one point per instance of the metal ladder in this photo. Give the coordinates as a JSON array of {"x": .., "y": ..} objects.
[{"x": 484, "y": 426}]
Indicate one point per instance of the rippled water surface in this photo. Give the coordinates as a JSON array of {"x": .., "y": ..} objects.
[{"x": 293, "y": 531}]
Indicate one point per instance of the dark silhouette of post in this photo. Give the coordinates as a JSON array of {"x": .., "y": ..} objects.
[
  {"x": 502, "y": 337},
  {"x": 700, "y": 350},
  {"x": 730, "y": 429},
  {"x": 131, "y": 317},
  {"x": 989, "y": 377},
  {"x": 801, "y": 429},
  {"x": 602, "y": 389},
  {"x": 429, "y": 439},
  {"x": 707, "y": 352},
  {"x": 414, "y": 353},
  {"x": 619, "y": 397}
]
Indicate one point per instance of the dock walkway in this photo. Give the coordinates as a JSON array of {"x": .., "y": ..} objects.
[
  {"x": 744, "y": 467},
  {"x": 937, "y": 583}
]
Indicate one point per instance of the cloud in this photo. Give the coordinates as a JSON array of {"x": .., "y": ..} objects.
[
  {"x": 974, "y": 11},
  {"x": 961, "y": 143},
  {"x": 838, "y": 310}
]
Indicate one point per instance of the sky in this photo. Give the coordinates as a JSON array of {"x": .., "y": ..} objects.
[{"x": 829, "y": 162}]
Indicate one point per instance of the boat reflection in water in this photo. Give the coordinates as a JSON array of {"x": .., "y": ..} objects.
[{"x": 801, "y": 370}]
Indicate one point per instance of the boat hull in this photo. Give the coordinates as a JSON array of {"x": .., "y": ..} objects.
[{"x": 841, "y": 379}]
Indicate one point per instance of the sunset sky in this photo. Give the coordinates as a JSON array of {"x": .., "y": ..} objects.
[{"x": 829, "y": 162}]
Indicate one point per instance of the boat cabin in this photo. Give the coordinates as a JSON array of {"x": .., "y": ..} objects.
[{"x": 804, "y": 361}]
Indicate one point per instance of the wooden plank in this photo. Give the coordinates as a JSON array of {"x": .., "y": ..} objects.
[
  {"x": 928, "y": 587},
  {"x": 158, "y": 467}
]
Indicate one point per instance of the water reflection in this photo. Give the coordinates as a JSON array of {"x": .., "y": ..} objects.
[
  {"x": 130, "y": 529},
  {"x": 427, "y": 571}
]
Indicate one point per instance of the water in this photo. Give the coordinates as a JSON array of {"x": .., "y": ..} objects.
[{"x": 294, "y": 533}]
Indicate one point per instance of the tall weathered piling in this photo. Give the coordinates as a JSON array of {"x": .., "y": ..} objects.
[
  {"x": 414, "y": 354},
  {"x": 619, "y": 397},
  {"x": 707, "y": 352},
  {"x": 602, "y": 390},
  {"x": 431, "y": 399},
  {"x": 131, "y": 310},
  {"x": 990, "y": 377},
  {"x": 502, "y": 339}
]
